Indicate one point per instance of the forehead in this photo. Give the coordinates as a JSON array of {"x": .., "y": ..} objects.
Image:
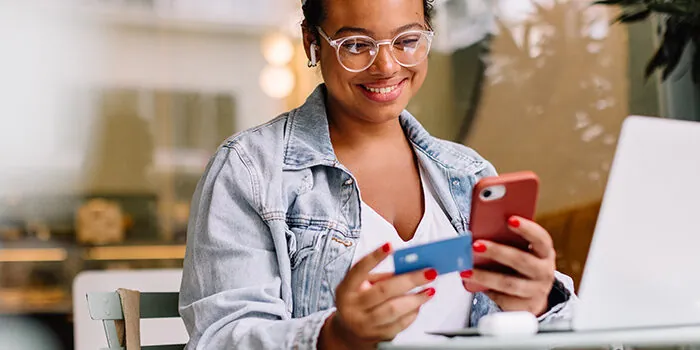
[{"x": 380, "y": 17}]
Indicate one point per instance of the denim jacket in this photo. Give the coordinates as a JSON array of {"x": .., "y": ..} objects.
[{"x": 274, "y": 224}]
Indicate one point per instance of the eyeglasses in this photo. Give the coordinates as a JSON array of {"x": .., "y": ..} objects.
[{"x": 357, "y": 52}]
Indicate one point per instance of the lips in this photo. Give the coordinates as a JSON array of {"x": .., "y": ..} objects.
[{"x": 383, "y": 92}]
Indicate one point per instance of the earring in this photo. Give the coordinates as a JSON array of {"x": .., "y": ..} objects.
[{"x": 313, "y": 62}]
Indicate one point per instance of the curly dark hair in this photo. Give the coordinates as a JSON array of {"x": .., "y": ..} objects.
[{"x": 314, "y": 13}]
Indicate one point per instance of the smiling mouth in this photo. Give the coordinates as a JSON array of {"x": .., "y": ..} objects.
[{"x": 382, "y": 90}]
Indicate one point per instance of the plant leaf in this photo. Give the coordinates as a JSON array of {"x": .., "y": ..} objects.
[
  {"x": 633, "y": 17},
  {"x": 607, "y": 2},
  {"x": 658, "y": 60},
  {"x": 618, "y": 2},
  {"x": 669, "y": 8},
  {"x": 675, "y": 40},
  {"x": 696, "y": 60}
]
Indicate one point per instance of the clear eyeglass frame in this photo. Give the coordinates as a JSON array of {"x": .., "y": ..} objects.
[{"x": 338, "y": 43}]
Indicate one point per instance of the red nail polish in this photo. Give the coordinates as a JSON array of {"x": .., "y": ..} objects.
[
  {"x": 514, "y": 222},
  {"x": 430, "y": 274},
  {"x": 430, "y": 291},
  {"x": 479, "y": 247},
  {"x": 466, "y": 274},
  {"x": 386, "y": 247}
]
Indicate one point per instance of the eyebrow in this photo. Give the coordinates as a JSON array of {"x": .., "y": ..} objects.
[{"x": 359, "y": 30}]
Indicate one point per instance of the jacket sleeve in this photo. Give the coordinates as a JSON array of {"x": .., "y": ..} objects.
[
  {"x": 232, "y": 292},
  {"x": 561, "y": 303}
]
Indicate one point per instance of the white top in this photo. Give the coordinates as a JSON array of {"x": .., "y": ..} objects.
[{"x": 449, "y": 308}]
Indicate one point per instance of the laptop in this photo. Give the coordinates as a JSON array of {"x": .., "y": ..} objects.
[{"x": 643, "y": 262}]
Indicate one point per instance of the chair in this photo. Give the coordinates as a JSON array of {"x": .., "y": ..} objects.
[
  {"x": 89, "y": 334},
  {"x": 107, "y": 307}
]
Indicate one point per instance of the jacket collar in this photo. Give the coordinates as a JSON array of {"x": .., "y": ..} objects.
[{"x": 309, "y": 143}]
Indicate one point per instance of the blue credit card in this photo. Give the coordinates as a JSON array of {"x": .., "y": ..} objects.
[{"x": 445, "y": 256}]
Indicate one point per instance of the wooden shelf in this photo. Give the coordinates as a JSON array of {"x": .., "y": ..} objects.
[
  {"x": 135, "y": 252},
  {"x": 29, "y": 253},
  {"x": 38, "y": 301},
  {"x": 33, "y": 255}
]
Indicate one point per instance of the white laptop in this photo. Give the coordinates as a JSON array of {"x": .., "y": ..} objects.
[{"x": 643, "y": 264}]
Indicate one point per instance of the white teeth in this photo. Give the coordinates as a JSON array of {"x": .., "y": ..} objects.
[{"x": 384, "y": 90}]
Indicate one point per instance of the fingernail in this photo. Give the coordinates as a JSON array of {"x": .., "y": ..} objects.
[
  {"x": 386, "y": 247},
  {"x": 466, "y": 274},
  {"x": 429, "y": 292},
  {"x": 430, "y": 274},
  {"x": 479, "y": 247},
  {"x": 514, "y": 222}
]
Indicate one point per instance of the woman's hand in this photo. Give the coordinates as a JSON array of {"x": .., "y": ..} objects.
[
  {"x": 528, "y": 292},
  {"x": 374, "y": 307}
]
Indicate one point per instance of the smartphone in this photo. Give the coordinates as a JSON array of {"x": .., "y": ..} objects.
[
  {"x": 494, "y": 200},
  {"x": 445, "y": 256}
]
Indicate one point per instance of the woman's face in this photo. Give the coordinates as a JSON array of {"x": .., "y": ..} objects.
[{"x": 383, "y": 90}]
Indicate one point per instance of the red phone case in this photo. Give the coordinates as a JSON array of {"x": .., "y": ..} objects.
[{"x": 489, "y": 219}]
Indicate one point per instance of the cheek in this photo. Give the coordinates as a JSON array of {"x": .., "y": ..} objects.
[
  {"x": 330, "y": 67},
  {"x": 336, "y": 76},
  {"x": 339, "y": 81},
  {"x": 419, "y": 73}
]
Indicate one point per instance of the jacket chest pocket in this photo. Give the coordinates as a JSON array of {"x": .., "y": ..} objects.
[
  {"x": 306, "y": 255},
  {"x": 320, "y": 258}
]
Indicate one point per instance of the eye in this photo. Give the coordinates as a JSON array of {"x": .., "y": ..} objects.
[
  {"x": 356, "y": 46},
  {"x": 407, "y": 42}
]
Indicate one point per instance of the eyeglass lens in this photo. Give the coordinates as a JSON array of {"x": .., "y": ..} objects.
[{"x": 358, "y": 52}]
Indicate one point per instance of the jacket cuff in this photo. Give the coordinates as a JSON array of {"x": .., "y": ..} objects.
[
  {"x": 556, "y": 301},
  {"x": 560, "y": 302},
  {"x": 307, "y": 336}
]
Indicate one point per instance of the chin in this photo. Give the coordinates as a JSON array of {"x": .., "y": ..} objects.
[
  {"x": 384, "y": 114},
  {"x": 379, "y": 112}
]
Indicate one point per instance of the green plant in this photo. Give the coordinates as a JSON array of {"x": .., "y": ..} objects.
[{"x": 681, "y": 25}]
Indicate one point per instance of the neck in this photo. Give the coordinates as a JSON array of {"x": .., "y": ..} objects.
[{"x": 352, "y": 132}]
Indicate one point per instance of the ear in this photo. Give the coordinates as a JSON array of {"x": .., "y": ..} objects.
[{"x": 309, "y": 39}]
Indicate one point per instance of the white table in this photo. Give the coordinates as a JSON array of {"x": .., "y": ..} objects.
[{"x": 679, "y": 337}]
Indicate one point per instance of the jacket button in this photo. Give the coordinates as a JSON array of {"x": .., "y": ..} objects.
[{"x": 348, "y": 182}]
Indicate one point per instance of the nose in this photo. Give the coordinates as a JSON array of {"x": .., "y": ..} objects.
[{"x": 384, "y": 64}]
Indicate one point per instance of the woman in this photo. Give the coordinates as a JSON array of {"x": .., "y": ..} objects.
[{"x": 292, "y": 221}]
